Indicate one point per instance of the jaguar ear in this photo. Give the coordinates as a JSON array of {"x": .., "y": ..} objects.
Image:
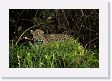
[{"x": 41, "y": 31}]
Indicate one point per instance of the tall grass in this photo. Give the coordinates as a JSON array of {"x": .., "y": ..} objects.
[{"x": 61, "y": 54}]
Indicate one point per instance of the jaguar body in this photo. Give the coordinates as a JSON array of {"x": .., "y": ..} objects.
[{"x": 46, "y": 38}]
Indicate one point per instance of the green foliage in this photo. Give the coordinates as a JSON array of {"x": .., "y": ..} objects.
[{"x": 61, "y": 54}]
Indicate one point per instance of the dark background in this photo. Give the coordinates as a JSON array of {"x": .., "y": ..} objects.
[{"x": 82, "y": 24}]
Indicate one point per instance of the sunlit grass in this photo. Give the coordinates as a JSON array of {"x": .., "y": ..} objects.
[{"x": 61, "y": 54}]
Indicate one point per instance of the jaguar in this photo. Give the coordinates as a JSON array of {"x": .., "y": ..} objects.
[{"x": 38, "y": 35}]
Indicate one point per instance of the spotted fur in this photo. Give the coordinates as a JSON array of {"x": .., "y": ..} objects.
[{"x": 39, "y": 35}]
